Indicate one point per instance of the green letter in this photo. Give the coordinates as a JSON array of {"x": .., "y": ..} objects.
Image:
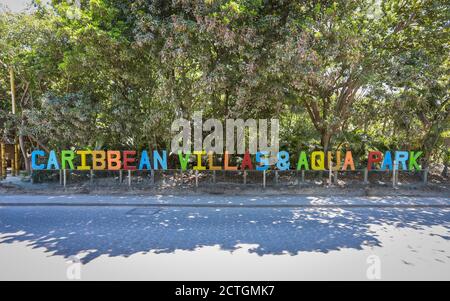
[
  {"x": 412, "y": 160},
  {"x": 302, "y": 161},
  {"x": 184, "y": 160},
  {"x": 67, "y": 156}
]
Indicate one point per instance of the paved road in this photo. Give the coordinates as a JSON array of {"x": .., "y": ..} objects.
[
  {"x": 64, "y": 227},
  {"x": 221, "y": 200}
]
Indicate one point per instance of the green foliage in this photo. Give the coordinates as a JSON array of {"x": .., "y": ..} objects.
[{"x": 338, "y": 74}]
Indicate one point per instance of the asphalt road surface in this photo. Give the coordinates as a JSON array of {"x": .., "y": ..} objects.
[{"x": 85, "y": 237}]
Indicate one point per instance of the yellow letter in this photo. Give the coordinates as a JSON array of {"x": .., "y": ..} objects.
[
  {"x": 211, "y": 162},
  {"x": 199, "y": 165},
  {"x": 83, "y": 165},
  {"x": 318, "y": 164},
  {"x": 338, "y": 160}
]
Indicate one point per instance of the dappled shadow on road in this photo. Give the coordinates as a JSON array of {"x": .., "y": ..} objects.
[{"x": 123, "y": 231}]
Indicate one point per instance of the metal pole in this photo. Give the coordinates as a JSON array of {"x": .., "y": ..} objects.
[
  {"x": 396, "y": 172},
  {"x": 129, "y": 178},
  {"x": 196, "y": 178},
  {"x": 366, "y": 176},
  {"x": 91, "y": 176},
  {"x": 264, "y": 179},
  {"x": 425, "y": 176},
  {"x": 152, "y": 176},
  {"x": 393, "y": 174},
  {"x": 245, "y": 177},
  {"x": 120, "y": 176},
  {"x": 396, "y": 176},
  {"x": 335, "y": 177},
  {"x": 214, "y": 176},
  {"x": 65, "y": 178},
  {"x": 60, "y": 177},
  {"x": 303, "y": 176},
  {"x": 330, "y": 173},
  {"x": 276, "y": 177}
]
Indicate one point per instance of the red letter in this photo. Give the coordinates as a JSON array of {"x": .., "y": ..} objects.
[
  {"x": 247, "y": 161},
  {"x": 127, "y": 160},
  {"x": 374, "y": 157}
]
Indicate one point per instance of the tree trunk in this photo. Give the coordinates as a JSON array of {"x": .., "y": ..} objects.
[
  {"x": 325, "y": 142},
  {"x": 3, "y": 159},
  {"x": 429, "y": 142},
  {"x": 16, "y": 158},
  {"x": 14, "y": 111},
  {"x": 24, "y": 153},
  {"x": 13, "y": 90}
]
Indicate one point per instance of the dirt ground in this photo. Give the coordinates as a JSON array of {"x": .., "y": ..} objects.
[{"x": 379, "y": 185}]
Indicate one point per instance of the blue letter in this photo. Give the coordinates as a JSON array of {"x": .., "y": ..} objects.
[
  {"x": 387, "y": 161},
  {"x": 34, "y": 155},
  {"x": 144, "y": 161},
  {"x": 52, "y": 161},
  {"x": 401, "y": 156},
  {"x": 261, "y": 159},
  {"x": 283, "y": 160},
  {"x": 158, "y": 160}
]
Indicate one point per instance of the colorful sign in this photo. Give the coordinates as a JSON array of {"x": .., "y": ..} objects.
[{"x": 158, "y": 160}]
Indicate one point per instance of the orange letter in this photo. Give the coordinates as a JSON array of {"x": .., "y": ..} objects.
[
  {"x": 348, "y": 161},
  {"x": 98, "y": 160},
  {"x": 114, "y": 162},
  {"x": 225, "y": 163}
]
